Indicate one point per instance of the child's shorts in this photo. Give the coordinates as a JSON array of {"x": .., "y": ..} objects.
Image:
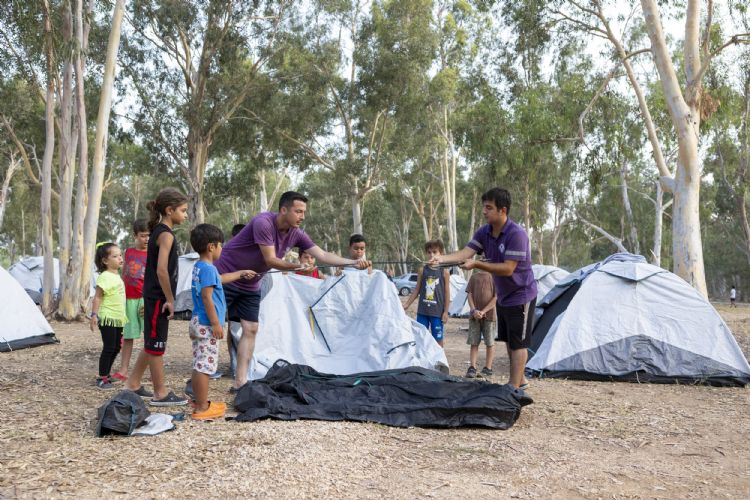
[
  {"x": 432, "y": 323},
  {"x": 156, "y": 327},
  {"x": 205, "y": 348},
  {"x": 134, "y": 312},
  {"x": 481, "y": 329}
]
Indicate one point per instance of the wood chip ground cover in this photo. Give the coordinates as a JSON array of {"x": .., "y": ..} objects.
[{"x": 579, "y": 440}]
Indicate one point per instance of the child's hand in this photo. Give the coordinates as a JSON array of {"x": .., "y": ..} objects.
[
  {"x": 218, "y": 331},
  {"x": 445, "y": 317},
  {"x": 92, "y": 323},
  {"x": 468, "y": 265},
  {"x": 168, "y": 307},
  {"x": 478, "y": 314},
  {"x": 248, "y": 274}
]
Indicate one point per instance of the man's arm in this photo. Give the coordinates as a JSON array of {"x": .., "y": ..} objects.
[
  {"x": 465, "y": 253},
  {"x": 269, "y": 256},
  {"x": 335, "y": 260},
  {"x": 498, "y": 268}
]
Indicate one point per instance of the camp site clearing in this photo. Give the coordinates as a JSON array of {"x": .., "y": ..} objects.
[{"x": 579, "y": 439}]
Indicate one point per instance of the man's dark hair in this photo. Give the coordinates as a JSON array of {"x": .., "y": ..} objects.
[
  {"x": 203, "y": 234},
  {"x": 140, "y": 226},
  {"x": 237, "y": 228},
  {"x": 499, "y": 196},
  {"x": 287, "y": 199},
  {"x": 356, "y": 238}
]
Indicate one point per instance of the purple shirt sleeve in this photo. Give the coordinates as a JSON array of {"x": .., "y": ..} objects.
[
  {"x": 517, "y": 246},
  {"x": 263, "y": 231},
  {"x": 477, "y": 242}
]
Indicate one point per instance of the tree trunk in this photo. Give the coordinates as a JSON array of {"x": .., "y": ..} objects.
[
  {"x": 91, "y": 222},
  {"x": 687, "y": 249},
  {"x": 263, "y": 190},
  {"x": 473, "y": 220},
  {"x": 539, "y": 246},
  {"x": 48, "y": 281},
  {"x": 5, "y": 190},
  {"x": 356, "y": 212},
  {"x": 658, "y": 223},
  {"x": 198, "y": 158},
  {"x": 634, "y": 243}
]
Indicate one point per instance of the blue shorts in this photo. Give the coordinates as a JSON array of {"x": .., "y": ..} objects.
[{"x": 433, "y": 324}]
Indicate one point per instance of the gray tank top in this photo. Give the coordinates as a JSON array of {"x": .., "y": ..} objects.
[{"x": 432, "y": 293}]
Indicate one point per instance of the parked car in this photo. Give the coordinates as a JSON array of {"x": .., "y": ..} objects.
[{"x": 405, "y": 283}]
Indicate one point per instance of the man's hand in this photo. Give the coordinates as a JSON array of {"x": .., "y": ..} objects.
[
  {"x": 168, "y": 307},
  {"x": 435, "y": 261},
  {"x": 218, "y": 331},
  {"x": 362, "y": 263},
  {"x": 468, "y": 264}
]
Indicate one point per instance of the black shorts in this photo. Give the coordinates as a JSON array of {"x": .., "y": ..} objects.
[
  {"x": 155, "y": 326},
  {"x": 242, "y": 304},
  {"x": 514, "y": 324}
]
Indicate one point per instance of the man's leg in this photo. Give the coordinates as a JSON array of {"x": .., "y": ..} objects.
[
  {"x": 245, "y": 351},
  {"x": 518, "y": 358}
]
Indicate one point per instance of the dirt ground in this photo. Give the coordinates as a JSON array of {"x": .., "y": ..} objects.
[{"x": 578, "y": 440}]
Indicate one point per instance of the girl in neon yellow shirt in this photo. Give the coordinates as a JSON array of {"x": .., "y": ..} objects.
[{"x": 108, "y": 309}]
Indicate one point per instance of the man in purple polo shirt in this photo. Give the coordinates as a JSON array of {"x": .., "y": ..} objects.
[
  {"x": 260, "y": 246},
  {"x": 507, "y": 253}
]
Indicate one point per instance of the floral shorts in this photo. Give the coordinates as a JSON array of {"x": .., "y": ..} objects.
[{"x": 205, "y": 348}]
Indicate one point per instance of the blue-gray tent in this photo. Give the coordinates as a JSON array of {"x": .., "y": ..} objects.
[{"x": 625, "y": 319}]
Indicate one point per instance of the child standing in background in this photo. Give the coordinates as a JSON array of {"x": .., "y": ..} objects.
[
  {"x": 132, "y": 274},
  {"x": 108, "y": 308},
  {"x": 433, "y": 290}
]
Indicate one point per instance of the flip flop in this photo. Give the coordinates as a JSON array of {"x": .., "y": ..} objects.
[{"x": 523, "y": 387}]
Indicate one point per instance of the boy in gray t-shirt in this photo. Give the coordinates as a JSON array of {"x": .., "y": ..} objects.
[{"x": 433, "y": 290}]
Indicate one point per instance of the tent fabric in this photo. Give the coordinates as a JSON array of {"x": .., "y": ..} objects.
[
  {"x": 23, "y": 323},
  {"x": 626, "y": 319},
  {"x": 459, "y": 306},
  {"x": 344, "y": 324},
  {"x": 546, "y": 278},
  {"x": 183, "y": 300},
  {"x": 402, "y": 398},
  {"x": 29, "y": 272}
]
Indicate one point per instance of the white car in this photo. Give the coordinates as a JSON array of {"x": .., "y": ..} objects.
[{"x": 405, "y": 283}]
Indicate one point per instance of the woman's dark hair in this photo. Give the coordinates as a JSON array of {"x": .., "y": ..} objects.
[
  {"x": 140, "y": 226},
  {"x": 102, "y": 252},
  {"x": 167, "y": 197},
  {"x": 203, "y": 234}
]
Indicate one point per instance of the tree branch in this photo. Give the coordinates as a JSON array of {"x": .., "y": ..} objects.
[{"x": 612, "y": 239}]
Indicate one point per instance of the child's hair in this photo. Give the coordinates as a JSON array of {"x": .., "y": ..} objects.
[
  {"x": 203, "y": 234},
  {"x": 434, "y": 244},
  {"x": 287, "y": 199},
  {"x": 356, "y": 238},
  {"x": 167, "y": 197},
  {"x": 140, "y": 226},
  {"x": 300, "y": 252},
  {"x": 102, "y": 252},
  {"x": 499, "y": 196},
  {"x": 237, "y": 228}
]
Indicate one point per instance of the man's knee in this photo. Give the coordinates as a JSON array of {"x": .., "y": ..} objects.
[{"x": 249, "y": 329}]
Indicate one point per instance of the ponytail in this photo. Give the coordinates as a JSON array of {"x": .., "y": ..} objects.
[{"x": 157, "y": 208}]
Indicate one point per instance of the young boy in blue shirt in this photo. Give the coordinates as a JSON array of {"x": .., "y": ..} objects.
[{"x": 209, "y": 311}]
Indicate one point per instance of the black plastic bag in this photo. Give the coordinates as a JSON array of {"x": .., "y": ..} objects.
[{"x": 121, "y": 414}]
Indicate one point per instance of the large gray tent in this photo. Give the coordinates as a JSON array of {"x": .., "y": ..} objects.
[{"x": 623, "y": 318}]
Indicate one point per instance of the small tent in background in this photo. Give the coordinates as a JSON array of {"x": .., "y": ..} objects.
[
  {"x": 29, "y": 272},
  {"x": 625, "y": 319},
  {"x": 546, "y": 278},
  {"x": 23, "y": 324},
  {"x": 183, "y": 301},
  {"x": 459, "y": 306}
]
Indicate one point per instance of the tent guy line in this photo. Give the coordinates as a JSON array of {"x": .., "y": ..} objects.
[{"x": 378, "y": 262}]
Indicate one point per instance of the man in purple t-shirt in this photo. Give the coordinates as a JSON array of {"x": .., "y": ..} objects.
[
  {"x": 507, "y": 253},
  {"x": 260, "y": 246}
]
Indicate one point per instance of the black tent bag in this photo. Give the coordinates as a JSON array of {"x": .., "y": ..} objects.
[
  {"x": 121, "y": 415},
  {"x": 402, "y": 398}
]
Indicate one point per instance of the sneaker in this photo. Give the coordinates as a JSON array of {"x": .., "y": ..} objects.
[
  {"x": 119, "y": 376},
  {"x": 189, "y": 388},
  {"x": 170, "y": 399},
  {"x": 143, "y": 393},
  {"x": 103, "y": 383},
  {"x": 235, "y": 390},
  {"x": 216, "y": 375},
  {"x": 486, "y": 372},
  {"x": 471, "y": 372},
  {"x": 214, "y": 411}
]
